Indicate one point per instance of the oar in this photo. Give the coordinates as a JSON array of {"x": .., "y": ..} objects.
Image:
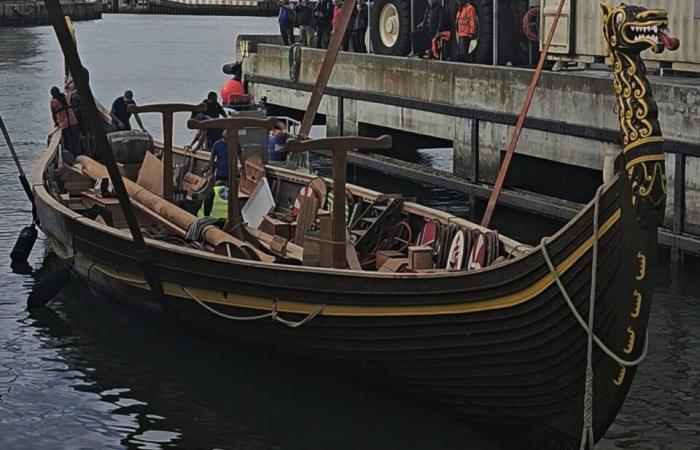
[
  {"x": 521, "y": 121},
  {"x": 72, "y": 59},
  {"x": 27, "y": 237}
]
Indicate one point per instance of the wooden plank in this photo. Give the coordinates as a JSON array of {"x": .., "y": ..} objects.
[{"x": 307, "y": 216}]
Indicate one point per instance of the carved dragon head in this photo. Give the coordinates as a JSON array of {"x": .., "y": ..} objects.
[{"x": 633, "y": 29}]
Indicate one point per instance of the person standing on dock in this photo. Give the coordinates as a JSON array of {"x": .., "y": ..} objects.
[
  {"x": 285, "y": 19},
  {"x": 466, "y": 27},
  {"x": 323, "y": 12},
  {"x": 427, "y": 30},
  {"x": 358, "y": 27},
  {"x": 65, "y": 119},
  {"x": 303, "y": 21},
  {"x": 120, "y": 112},
  {"x": 337, "y": 8}
]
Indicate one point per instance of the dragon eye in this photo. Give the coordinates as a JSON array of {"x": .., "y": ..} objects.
[{"x": 618, "y": 18}]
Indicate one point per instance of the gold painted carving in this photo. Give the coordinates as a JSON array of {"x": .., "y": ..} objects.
[
  {"x": 620, "y": 376},
  {"x": 637, "y": 304},
  {"x": 630, "y": 342},
  {"x": 642, "y": 266}
]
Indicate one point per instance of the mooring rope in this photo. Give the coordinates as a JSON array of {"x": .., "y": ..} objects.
[
  {"x": 273, "y": 314},
  {"x": 587, "y": 432}
]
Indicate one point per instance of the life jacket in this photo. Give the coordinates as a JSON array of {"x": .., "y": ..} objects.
[
  {"x": 466, "y": 22},
  {"x": 219, "y": 208},
  {"x": 65, "y": 116}
]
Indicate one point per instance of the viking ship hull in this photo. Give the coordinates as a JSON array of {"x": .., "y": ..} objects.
[{"x": 497, "y": 345}]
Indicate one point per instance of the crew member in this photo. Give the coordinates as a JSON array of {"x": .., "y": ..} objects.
[
  {"x": 218, "y": 163},
  {"x": 216, "y": 203},
  {"x": 65, "y": 119},
  {"x": 466, "y": 27},
  {"x": 427, "y": 30},
  {"x": 276, "y": 151},
  {"x": 120, "y": 112},
  {"x": 213, "y": 111}
]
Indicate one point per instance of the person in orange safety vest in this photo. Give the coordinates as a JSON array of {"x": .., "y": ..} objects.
[{"x": 466, "y": 28}]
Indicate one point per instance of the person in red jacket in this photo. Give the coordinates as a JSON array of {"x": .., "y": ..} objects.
[
  {"x": 337, "y": 8},
  {"x": 65, "y": 119},
  {"x": 466, "y": 28}
]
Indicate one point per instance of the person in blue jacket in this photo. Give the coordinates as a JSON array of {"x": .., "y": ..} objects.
[
  {"x": 285, "y": 19},
  {"x": 276, "y": 151}
]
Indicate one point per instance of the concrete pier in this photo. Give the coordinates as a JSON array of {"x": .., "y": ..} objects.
[
  {"x": 571, "y": 122},
  {"x": 30, "y": 12},
  {"x": 195, "y": 7}
]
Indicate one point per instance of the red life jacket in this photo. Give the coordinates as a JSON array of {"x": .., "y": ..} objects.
[
  {"x": 64, "y": 115},
  {"x": 466, "y": 22}
]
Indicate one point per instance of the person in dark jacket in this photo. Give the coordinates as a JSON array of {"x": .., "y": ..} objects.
[
  {"x": 358, "y": 27},
  {"x": 303, "y": 21},
  {"x": 285, "y": 19},
  {"x": 323, "y": 13},
  {"x": 214, "y": 110},
  {"x": 428, "y": 29}
]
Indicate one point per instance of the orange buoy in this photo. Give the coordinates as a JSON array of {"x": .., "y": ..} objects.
[{"x": 231, "y": 91}]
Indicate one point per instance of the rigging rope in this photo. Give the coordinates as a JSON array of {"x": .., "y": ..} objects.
[
  {"x": 274, "y": 315},
  {"x": 587, "y": 432}
]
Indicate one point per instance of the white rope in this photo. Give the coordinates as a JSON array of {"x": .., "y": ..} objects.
[
  {"x": 587, "y": 438},
  {"x": 272, "y": 314}
]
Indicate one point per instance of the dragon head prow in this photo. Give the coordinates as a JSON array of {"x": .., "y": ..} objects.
[{"x": 633, "y": 29}]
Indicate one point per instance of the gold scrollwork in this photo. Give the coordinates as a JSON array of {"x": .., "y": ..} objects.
[
  {"x": 642, "y": 266},
  {"x": 630, "y": 341},
  {"x": 637, "y": 304},
  {"x": 620, "y": 376}
]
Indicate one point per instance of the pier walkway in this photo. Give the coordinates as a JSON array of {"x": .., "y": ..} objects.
[{"x": 474, "y": 107}]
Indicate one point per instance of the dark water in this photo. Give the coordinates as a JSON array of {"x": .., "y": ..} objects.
[{"x": 90, "y": 374}]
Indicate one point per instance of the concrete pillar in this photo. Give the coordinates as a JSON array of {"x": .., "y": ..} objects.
[
  {"x": 610, "y": 152},
  {"x": 461, "y": 147}
]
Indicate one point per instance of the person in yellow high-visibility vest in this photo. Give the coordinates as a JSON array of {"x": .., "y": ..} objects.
[
  {"x": 466, "y": 27},
  {"x": 215, "y": 204}
]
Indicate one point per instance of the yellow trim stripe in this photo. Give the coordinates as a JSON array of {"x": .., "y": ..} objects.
[
  {"x": 264, "y": 304},
  {"x": 642, "y": 141},
  {"x": 642, "y": 159}
]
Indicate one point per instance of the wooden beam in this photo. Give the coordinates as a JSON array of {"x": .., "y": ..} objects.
[
  {"x": 339, "y": 147},
  {"x": 232, "y": 125},
  {"x": 72, "y": 59},
  {"x": 167, "y": 110}
]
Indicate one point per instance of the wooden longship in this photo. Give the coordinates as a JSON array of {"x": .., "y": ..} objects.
[{"x": 498, "y": 344}]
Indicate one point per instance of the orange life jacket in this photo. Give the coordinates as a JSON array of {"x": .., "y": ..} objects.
[
  {"x": 466, "y": 22},
  {"x": 65, "y": 116}
]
